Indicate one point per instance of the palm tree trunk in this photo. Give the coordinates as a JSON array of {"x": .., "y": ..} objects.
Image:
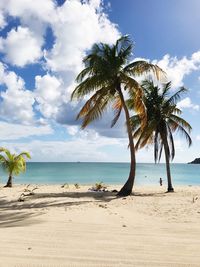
[
  {"x": 128, "y": 186},
  {"x": 169, "y": 179},
  {"x": 9, "y": 182}
]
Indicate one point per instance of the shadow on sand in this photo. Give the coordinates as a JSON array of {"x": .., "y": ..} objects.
[{"x": 14, "y": 213}]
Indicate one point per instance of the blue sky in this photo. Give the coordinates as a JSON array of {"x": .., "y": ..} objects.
[{"x": 42, "y": 44}]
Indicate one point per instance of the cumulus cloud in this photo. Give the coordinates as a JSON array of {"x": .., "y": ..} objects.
[
  {"x": 16, "y": 102},
  {"x": 21, "y": 47},
  {"x": 11, "y": 131},
  {"x": 2, "y": 20},
  {"x": 74, "y": 36},
  {"x": 28, "y": 9},
  {"x": 24, "y": 44},
  {"x": 187, "y": 103},
  {"x": 48, "y": 94},
  {"x": 177, "y": 69}
]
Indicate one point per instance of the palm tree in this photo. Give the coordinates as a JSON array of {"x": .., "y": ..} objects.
[
  {"x": 162, "y": 121},
  {"x": 106, "y": 75},
  {"x": 13, "y": 164}
]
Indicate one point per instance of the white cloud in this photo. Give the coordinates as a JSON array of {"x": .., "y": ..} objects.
[
  {"x": 24, "y": 45},
  {"x": 77, "y": 27},
  {"x": 87, "y": 147},
  {"x": 177, "y": 69},
  {"x": 2, "y": 20},
  {"x": 28, "y": 9},
  {"x": 48, "y": 93},
  {"x": 21, "y": 47},
  {"x": 11, "y": 131},
  {"x": 198, "y": 137},
  {"x": 17, "y": 102},
  {"x": 187, "y": 103},
  {"x": 72, "y": 130}
]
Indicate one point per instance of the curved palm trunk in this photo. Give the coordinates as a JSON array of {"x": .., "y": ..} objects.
[
  {"x": 128, "y": 186},
  {"x": 169, "y": 179},
  {"x": 9, "y": 182}
]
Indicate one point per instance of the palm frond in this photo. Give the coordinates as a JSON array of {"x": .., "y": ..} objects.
[
  {"x": 89, "y": 85},
  {"x": 185, "y": 135},
  {"x": 166, "y": 89},
  {"x": 94, "y": 108},
  {"x": 117, "y": 106},
  {"x": 171, "y": 143},
  {"x": 83, "y": 74},
  {"x": 180, "y": 121},
  {"x": 138, "y": 68},
  {"x": 24, "y": 153},
  {"x": 135, "y": 96},
  {"x": 135, "y": 122},
  {"x": 175, "y": 97}
]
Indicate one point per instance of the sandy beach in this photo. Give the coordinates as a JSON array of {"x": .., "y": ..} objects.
[{"x": 58, "y": 226}]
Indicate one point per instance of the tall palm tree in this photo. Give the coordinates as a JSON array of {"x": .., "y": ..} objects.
[
  {"x": 106, "y": 75},
  {"x": 13, "y": 164},
  {"x": 162, "y": 121}
]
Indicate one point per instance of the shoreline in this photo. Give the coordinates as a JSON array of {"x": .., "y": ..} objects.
[{"x": 61, "y": 227}]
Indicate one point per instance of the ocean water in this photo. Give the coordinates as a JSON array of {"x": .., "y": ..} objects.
[{"x": 109, "y": 173}]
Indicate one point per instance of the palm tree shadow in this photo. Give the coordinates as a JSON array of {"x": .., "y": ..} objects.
[
  {"x": 106, "y": 196},
  {"x": 157, "y": 194},
  {"x": 18, "y": 219},
  {"x": 43, "y": 201}
]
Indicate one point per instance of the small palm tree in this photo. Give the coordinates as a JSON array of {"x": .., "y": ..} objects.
[
  {"x": 13, "y": 164},
  {"x": 106, "y": 75},
  {"x": 162, "y": 122}
]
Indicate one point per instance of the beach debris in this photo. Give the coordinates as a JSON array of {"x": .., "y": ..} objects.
[
  {"x": 76, "y": 185},
  {"x": 124, "y": 225},
  {"x": 98, "y": 187},
  {"x": 27, "y": 192},
  {"x": 30, "y": 191},
  {"x": 21, "y": 198},
  {"x": 66, "y": 185},
  {"x": 194, "y": 199},
  {"x": 103, "y": 206},
  {"x": 114, "y": 191}
]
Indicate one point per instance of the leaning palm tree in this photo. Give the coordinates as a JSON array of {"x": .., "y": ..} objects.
[
  {"x": 13, "y": 164},
  {"x": 106, "y": 75},
  {"x": 162, "y": 121}
]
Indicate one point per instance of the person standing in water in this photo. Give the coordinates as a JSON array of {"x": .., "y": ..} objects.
[{"x": 161, "y": 181}]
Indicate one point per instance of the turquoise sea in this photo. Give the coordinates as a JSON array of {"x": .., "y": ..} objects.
[{"x": 109, "y": 173}]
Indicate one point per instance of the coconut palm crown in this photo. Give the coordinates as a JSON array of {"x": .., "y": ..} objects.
[
  {"x": 163, "y": 121},
  {"x": 13, "y": 164},
  {"x": 106, "y": 75}
]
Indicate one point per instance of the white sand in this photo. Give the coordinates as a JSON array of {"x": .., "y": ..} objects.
[{"x": 59, "y": 227}]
